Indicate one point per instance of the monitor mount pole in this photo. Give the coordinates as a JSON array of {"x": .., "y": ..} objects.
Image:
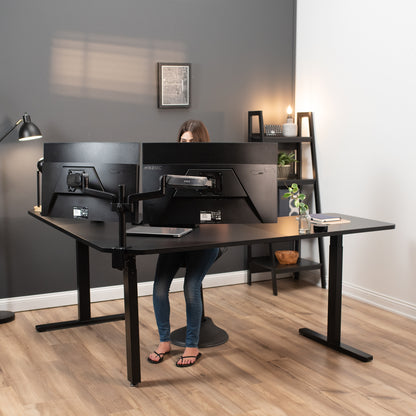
[{"x": 210, "y": 335}]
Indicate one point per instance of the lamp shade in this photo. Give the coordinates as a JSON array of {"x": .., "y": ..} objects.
[{"x": 29, "y": 131}]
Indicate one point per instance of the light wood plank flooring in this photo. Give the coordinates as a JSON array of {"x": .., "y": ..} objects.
[{"x": 265, "y": 368}]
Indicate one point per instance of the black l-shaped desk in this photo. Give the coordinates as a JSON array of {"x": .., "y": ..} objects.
[{"x": 104, "y": 238}]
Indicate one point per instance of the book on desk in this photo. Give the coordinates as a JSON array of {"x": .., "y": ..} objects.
[{"x": 324, "y": 218}]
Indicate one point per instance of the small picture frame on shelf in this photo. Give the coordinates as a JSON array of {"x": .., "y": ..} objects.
[{"x": 174, "y": 85}]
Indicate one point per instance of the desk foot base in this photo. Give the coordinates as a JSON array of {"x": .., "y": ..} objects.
[
  {"x": 210, "y": 335},
  {"x": 342, "y": 348},
  {"x": 79, "y": 322}
]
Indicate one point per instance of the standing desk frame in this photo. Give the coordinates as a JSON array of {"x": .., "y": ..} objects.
[{"x": 103, "y": 237}]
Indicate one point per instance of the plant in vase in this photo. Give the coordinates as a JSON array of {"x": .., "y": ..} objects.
[
  {"x": 295, "y": 194},
  {"x": 284, "y": 163}
]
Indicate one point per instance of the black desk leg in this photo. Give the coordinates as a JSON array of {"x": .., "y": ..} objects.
[
  {"x": 333, "y": 338},
  {"x": 132, "y": 320},
  {"x": 83, "y": 281},
  {"x": 84, "y": 300}
]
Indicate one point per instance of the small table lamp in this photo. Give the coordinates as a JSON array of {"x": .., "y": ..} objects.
[
  {"x": 28, "y": 131},
  {"x": 289, "y": 128}
]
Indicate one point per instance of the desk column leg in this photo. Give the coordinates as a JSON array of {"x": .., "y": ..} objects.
[
  {"x": 132, "y": 320},
  {"x": 84, "y": 297},
  {"x": 322, "y": 261},
  {"x": 83, "y": 281},
  {"x": 333, "y": 338},
  {"x": 248, "y": 264},
  {"x": 335, "y": 292}
]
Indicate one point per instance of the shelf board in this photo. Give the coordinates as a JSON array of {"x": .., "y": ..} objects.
[
  {"x": 281, "y": 139},
  {"x": 283, "y": 183},
  {"x": 266, "y": 263}
]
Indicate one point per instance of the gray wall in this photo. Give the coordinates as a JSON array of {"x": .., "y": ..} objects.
[{"x": 86, "y": 71}]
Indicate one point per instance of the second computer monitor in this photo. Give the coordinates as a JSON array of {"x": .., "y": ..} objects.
[{"x": 242, "y": 176}]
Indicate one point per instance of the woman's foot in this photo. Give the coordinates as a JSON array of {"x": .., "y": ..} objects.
[
  {"x": 158, "y": 354},
  {"x": 188, "y": 358}
]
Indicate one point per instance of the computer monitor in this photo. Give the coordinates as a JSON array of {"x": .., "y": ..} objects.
[
  {"x": 71, "y": 170},
  {"x": 243, "y": 176}
]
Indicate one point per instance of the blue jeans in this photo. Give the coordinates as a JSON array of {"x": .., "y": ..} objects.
[{"x": 197, "y": 264}]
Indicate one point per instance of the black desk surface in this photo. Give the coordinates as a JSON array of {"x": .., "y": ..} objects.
[{"x": 104, "y": 236}]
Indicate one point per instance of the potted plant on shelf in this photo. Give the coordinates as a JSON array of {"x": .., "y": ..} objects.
[
  {"x": 284, "y": 164},
  {"x": 295, "y": 194}
]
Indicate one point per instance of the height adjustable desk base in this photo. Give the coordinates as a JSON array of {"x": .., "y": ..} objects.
[
  {"x": 207, "y": 236},
  {"x": 340, "y": 347},
  {"x": 84, "y": 299},
  {"x": 79, "y": 322}
]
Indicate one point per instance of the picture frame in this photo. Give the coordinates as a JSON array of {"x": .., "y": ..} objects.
[{"x": 174, "y": 85}]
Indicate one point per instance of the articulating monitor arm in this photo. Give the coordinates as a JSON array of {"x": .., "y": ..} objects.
[{"x": 122, "y": 203}]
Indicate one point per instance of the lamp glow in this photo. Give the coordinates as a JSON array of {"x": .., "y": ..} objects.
[
  {"x": 289, "y": 128},
  {"x": 289, "y": 111}
]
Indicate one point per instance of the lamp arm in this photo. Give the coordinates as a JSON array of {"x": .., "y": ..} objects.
[{"x": 17, "y": 123}]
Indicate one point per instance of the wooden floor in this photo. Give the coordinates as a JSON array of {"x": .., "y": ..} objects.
[{"x": 266, "y": 367}]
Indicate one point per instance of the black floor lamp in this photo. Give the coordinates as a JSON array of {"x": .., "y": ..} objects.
[{"x": 28, "y": 131}]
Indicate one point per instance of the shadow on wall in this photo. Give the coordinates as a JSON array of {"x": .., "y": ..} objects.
[{"x": 108, "y": 68}]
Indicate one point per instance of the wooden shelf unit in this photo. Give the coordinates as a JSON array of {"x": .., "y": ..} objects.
[{"x": 269, "y": 262}]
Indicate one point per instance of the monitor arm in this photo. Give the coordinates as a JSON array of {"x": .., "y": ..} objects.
[
  {"x": 79, "y": 180},
  {"x": 125, "y": 204},
  {"x": 122, "y": 204}
]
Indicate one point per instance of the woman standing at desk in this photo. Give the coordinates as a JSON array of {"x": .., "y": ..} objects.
[{"x": 197, "y": 264}]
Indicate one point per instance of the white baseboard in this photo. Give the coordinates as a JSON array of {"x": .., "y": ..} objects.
[
  {"x": 100, "y": 294},
  {"x": 51, "y": 300},
  {"x": 388, "y": 303}
]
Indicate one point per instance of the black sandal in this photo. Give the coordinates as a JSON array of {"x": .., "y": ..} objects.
[
  {"x": 161, "y": 356},
  {"x": 188, "y": 364}
]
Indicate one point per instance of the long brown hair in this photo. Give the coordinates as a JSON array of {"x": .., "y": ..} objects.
[{"x": 197, "y": 128}]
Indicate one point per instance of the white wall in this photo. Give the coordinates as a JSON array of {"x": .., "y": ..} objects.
[{"x": 356, "y": 70}]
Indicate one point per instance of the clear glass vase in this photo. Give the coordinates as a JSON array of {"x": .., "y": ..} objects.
[{"x": 304, "y": 224}]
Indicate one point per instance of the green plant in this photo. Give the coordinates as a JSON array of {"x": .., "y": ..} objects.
[
  {"x": 284, "y": 159},
  {"x": 295, "y": 194}
]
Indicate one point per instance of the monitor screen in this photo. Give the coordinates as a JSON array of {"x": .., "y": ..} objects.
[
  {"x": 243, "y": 177},
  {"x": 69, "y": 168}
]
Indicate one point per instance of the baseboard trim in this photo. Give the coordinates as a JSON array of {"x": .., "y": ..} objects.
[
  {"x": 101, "y": 294},
  {"x": 379, "y": 300}
]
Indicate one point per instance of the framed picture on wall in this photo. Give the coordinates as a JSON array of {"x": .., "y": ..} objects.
[{"x": 174, "y": 85}]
